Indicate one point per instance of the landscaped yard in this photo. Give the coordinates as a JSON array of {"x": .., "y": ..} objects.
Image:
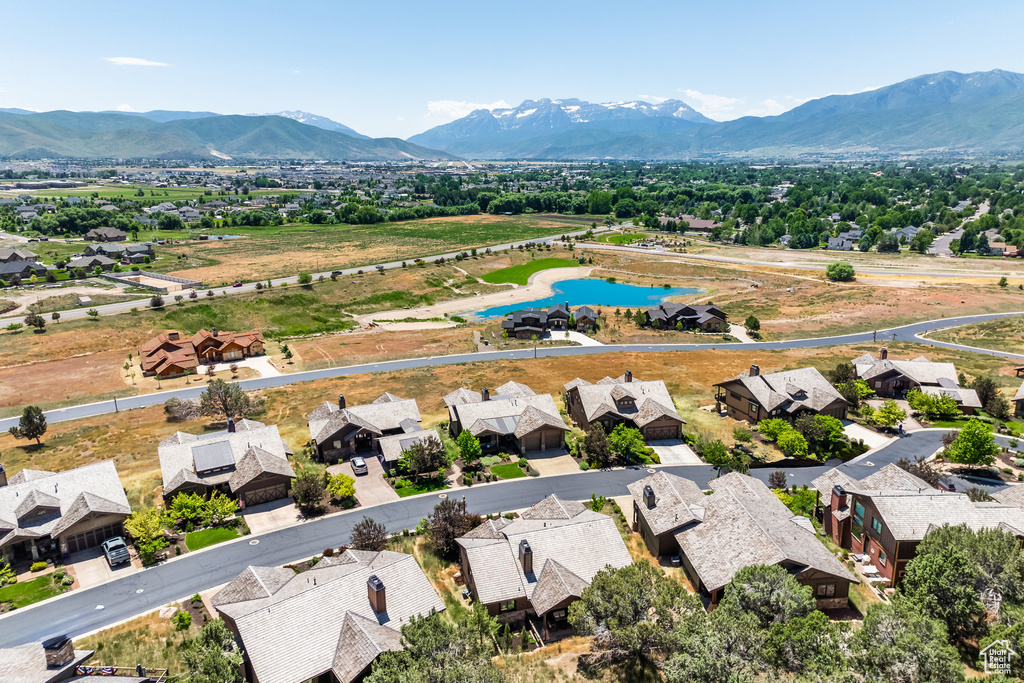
[
  {"x": 508, "y": 471},
  {"x": 520, "y": 274},
  {"x": 27, "y": 592},
  {"x": 422, "y": 486},
  {"x": 208, "y": 537}
]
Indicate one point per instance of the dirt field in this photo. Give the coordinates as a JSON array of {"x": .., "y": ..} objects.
[
  {"x": 370, "y": 346},
  {"x": 131, "y": 438},
  {"x": 80, "y": 380}
]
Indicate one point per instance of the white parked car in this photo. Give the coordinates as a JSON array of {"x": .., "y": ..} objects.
[{"x": 359, "y": 465}]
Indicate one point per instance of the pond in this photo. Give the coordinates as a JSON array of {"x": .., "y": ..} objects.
[{"x": 592, "y": 292}]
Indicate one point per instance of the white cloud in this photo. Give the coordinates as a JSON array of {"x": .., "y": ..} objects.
[
  {"x": 133, "y": 61},
  {"x": 125, "y": 107},
  {"x": 718, "y": 107},
  {"x": 654, "y": 99},
  {"x": 399, "y": 118},
  {"x": 443, "y": 111}
]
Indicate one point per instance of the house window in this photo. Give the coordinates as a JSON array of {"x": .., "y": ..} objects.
[
  {"x": 857, "y": 528},
  {"x": 733, "y": 394},
  {"x": 878, "y": 384},
  {"x": 876, "y": 525},
  {"x": 827, "y": 590},
  {"x": 881, "y": 557},
  {"x": 753, "y": 408},
  {"x": 507, "y": 606}
]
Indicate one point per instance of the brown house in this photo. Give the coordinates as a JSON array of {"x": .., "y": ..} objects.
[
  {"x": 339, "y": 431},
  {"x": 894, "y": 378},
  {"x": 741, "y": 524},
  {"x": 752, "y": 397},
  {"x": 1018, "y": 401},
  {"x": 535, "y": 566},
  {"x": 514, "y": 419},
  {"x": 106, "y": 235},
  {"x": 171, "y": 355},
  {"x": 885, "y": 515},
  {"x": 646, "y": 406},
  {"x": 704, "y": 317}
]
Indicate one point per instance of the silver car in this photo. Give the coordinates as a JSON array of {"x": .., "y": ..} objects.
[
  {"x": 116, "y": 551},
  {"x": 359, "y": 465}
]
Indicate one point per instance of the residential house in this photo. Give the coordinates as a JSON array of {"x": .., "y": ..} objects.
[
  {"x": 52, "y": 661},
  {"x": 741, "y": 524},
  {"x": 189, "y": 215},
  {"x": 106, "y": 235},
  {"x": 89, "y": 263},
  {"x": 72, "y": 200},
  {"x": 525, "y": 324},
  {"x": 752, "y": 397},
  {"x": 119, "y": 251},
  {"x": 8, "y": 255},
  {"x": 904, "y": 235},
  {"x": 329, "y": 623},
  {"x": 646, "y": 406},
  {"x": 884, "y": 516},
  {"x": 1018, "y": 401},
  {"x": 586, "y": 319},
  {"x": 248, "y": 460},
  {"x": 512, "y": 419},
  {"x": 558, "y": 317},
  {"x": 170, "y": 355},
  {"x": 706, "y": 317},
  {"x": 339, "y": 431},
  {"x": 57, "y": 513},
  {"x": 839, "y": 244},
  {"x": 894, "y": 378},
  {"x": 536, "y": 321},
  {"x": 539, "y": 564},
  {"x": 23, "y": 269}
]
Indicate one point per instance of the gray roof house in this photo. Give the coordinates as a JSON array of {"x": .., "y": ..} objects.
[
  {"x": 646, "y": 406},
  {"x": 23, "y": 269},
  {"x": 60, "y": 512},
  {"x": 839, "y": 244},
  {"x": 744, "y": 524},
  {"x": 663, "y": 503},
  {"x": 752, "y": 396},
  {"x": 17, "y": 255},
  {"x": 707, "y": 317},
  {"x": 514, "y": 418},
  {"x": 90, "y": 262},
  {"x": 249, "y": 460},
  {"x": 893, "y": 378},
  {"x": 541, "y": 562},
  {"x": 329, "y": 623},
  {"x": 340, "y": 431}
]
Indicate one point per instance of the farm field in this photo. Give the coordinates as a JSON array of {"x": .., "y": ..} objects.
[
  {"x": 520, "y": 274},
  {"x": 287, "y": 250},
  {"x": 1006, "y": 334},
  {"x": 131, "y": 439}
]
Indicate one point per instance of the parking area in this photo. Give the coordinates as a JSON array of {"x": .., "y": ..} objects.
[
  {"x": 91, "y": 569},
  {"x": 869, "y": 436},
  {"x": 552, "y": 462},
  {"x": 674, "y": 452},
  {"x": 371, "y": 489},
  {"x": 270, "y": 516}
]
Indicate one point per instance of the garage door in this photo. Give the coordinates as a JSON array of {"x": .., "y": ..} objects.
[
  {"x": 532, "y": 442},
  {"x": 265, "y": 495},
  {"x": 656, "y": 433},
  {"x": 93, "y": 537}
]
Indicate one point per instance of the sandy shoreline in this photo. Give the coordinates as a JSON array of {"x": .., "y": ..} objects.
[{"x": 538, "y": 287}]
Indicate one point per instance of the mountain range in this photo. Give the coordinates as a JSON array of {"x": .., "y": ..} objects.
[
  {"x": 189, "y": 135},
  {"x": 948, "y": 111}
]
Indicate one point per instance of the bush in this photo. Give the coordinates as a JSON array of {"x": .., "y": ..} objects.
[
  {"x": 182, "y": 620},
  {"x": 1018, "y": 462},
  {"x": 584, "y": 465},
  {"x": 772, "y": 428},
  {"x": 840, "y": 272},
  {"x": 38, "y": 566}
]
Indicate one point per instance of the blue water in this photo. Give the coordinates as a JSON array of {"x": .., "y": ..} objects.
[{"x": 592, "y": 292}]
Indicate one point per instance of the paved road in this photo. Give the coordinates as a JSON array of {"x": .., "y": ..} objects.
[
  {"x": 83, "y": 611},
  {"x": 904, "y": 333}
]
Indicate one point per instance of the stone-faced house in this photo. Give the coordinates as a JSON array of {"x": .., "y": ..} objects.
[
  {"x": 646, "y": 406},
  {"x": 894, "y": 378},
  {"x": 56, "y": 513},
  {"x": 248, "y": 461},
  {"x": 512, "y": 419},
  {"x": 705, "y": 317},
  {"x": 886, "y": 515},
  {"x": 752, "y": 396},
  {"x": 741, "y": 524},
  {"x": 539, "y": 564},
  {"x": 339, "y": 431},
  {"x": 329, "y": 623}
]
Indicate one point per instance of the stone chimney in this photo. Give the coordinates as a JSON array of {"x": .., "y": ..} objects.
[
  {"x": 755, "y": 371},
  {"x": 3, "y": 476},
  {"x": 173, "y": 336},
  {"x": 59, "y": 651},
  {"x": 839, "y": 497},
  {"x": 341, "y": 401},
  {"x": 629, "y": 375},
  {"x": 485, "y": 394},
  {"x": 231, "y": 425},
  {"x": 526, "y": 556},
  {"x": 376, "y": 593},
  {"x": 213, "y": 331},
  {"x": 649, "y": 499},
  {"x": 883, "y": 353}
]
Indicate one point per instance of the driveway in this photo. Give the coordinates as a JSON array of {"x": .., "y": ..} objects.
[
  {"x": 549, "y": 463},
  {"x": 869, "y": 436},
  {"x": 260, "y": 364},
  {"x": 276, "y": 514},
  {"x": 578, "y": 337},
  {"x": 740, "y": 332},
  {"x": 91, "y": 568},
  {"x": 371, "y": 489},
  {"x": 674, "y": 452}
]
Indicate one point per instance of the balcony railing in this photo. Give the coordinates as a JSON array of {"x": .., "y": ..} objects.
[{"x": 156, "y": 675}]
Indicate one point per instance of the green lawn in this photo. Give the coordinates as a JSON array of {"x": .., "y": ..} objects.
[
  {"x": 208, "y": 537},
  {"x": 28, "y": 592},
  {"x": 619, "y": 238},
  {"x": 508, "y": 471},
  {"x": 520, "y": 274},
  {"x": 423, "y": 487}
]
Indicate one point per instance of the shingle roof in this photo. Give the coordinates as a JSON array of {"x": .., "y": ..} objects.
[
  {"x": 582, "y": 542},
  {"x": 920, "y": 370},
  {"x": 910, "y": 515},
  {"x": 377, "y": 417},
  {"x": 1019, "y": 396},
  {"x": 651, "y": 400},
  {"x": 678, "y": 501},
  {"x": 746, "y": 524},
  {"x": 887, "y": 478},
  {"x": 256, "y": 461},
  {"x": 966, "y": 398},
  {"x": 392, "y": 447},
  {"x": 293, "y": 628},
  {"x": 790, "y": 390},
  {"x": 27, "y": 664},
  {"x": 360, "y": 643},
  {"x": 502, "y": 415},
  {"x": 555, "y": 585}
]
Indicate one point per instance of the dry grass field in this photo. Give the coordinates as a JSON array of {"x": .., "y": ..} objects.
[{"x": 1005, "y": 334}]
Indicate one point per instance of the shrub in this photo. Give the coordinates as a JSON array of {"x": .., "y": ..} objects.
[
  {"x": 742, "y": 434},
  {"x": 771, "y": 429},
  {"x": 840, "y": 272},
  {"x": 182, "y": 620},
  {"x": 584, "y": 465},
  {"x": 37, "y": 566}
]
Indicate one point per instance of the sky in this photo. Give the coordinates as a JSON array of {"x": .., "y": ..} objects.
[{"x": 393, "y": 68}]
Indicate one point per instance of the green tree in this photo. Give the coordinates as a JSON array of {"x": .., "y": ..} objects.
[
  {"x": 147, "y": 528},
  {"x": 187, "y": 508},
  {"x": 341, "y": 487},
  {"x": 469, "y": 447},
  {"x": 922, "y": 241},
  {"x": 597, "y": 447},
  {"x": 945, "y": 587},
  {"x": 219, "y": 508},
  {"x": 889, "y": 414},
  {"x": 305, "y": 279},
  {"x": 425, "y": 456},
  {"x": 899, "y": 644},
  {"x": 773, "y": 427},
  {"x": 308, "y": 491},
  {"x": 973, "y": 445},
  {"x": 840, "y": 272},
  {"x": 1003, "y": 282},
  {"x": 36, "y": 321},
  {"x": 639, "y": 318},
  {"x": 792, "y": 443},
  {"x": 93, "y": 313},
  {"x": 369, "y": 534},
  {"x": 31, "y": 425},
  {"x": 752, "y": 324},
  {"x": 156, "y": 302},
  {"x": 223, "y": 399},
  {"x": 213, "y": 656},
  {"x": 811, "y": 645},
  {"x": 628, "y": 443},
  {"x": 437, "y": 651},
  {"x": 769, "y": 594},
  {"x": 448, "y": 521}
]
